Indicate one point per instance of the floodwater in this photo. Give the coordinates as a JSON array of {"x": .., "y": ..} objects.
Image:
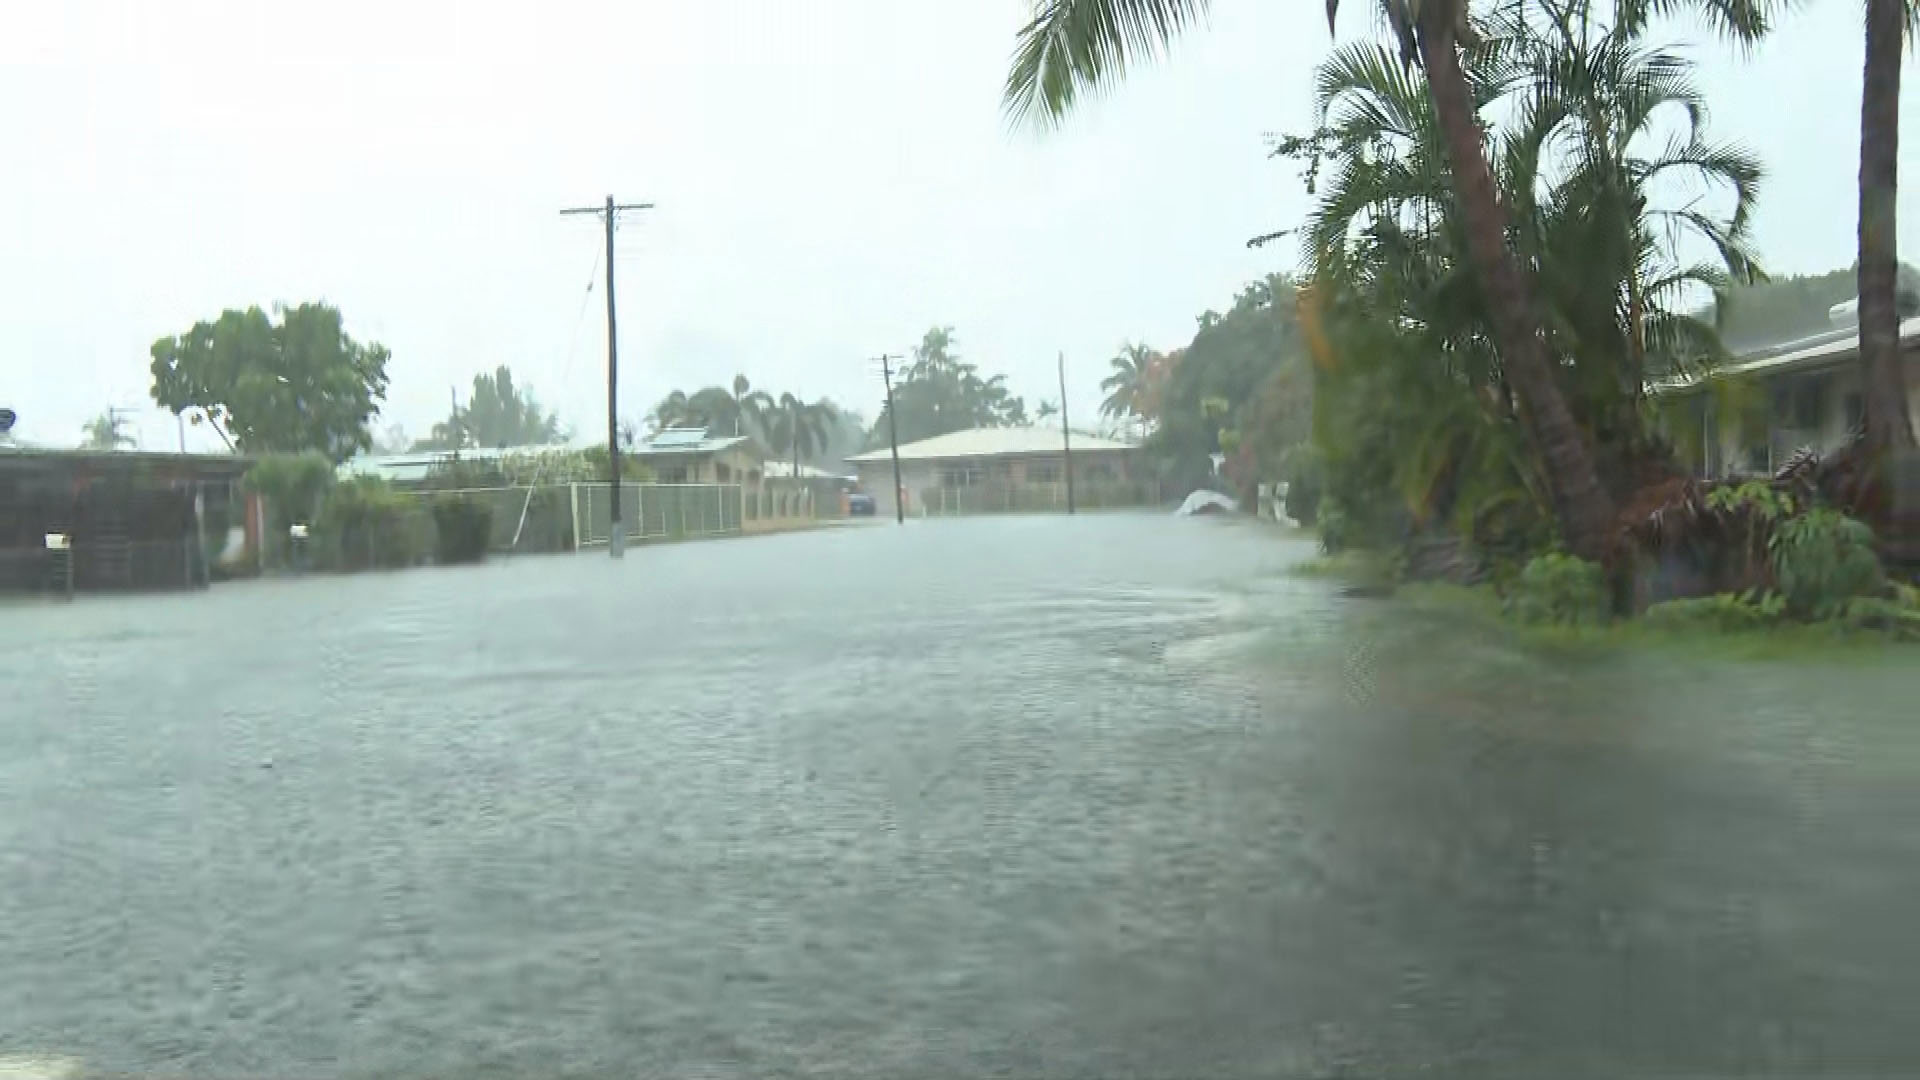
[{"x": 1104, "y": 796}]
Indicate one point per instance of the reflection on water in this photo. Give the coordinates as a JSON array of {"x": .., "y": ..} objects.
[{"x": 1043, "y": 796}]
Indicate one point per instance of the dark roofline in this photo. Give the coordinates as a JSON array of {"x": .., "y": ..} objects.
[{"x": 231, "y": 463}]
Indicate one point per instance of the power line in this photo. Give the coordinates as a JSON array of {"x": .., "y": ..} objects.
[
  {"x": 609, "y": 215},
  {"x": 893, "y": 441}
]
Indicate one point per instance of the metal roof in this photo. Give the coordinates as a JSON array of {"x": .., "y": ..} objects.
[
  {"x": 417, "y": 464},
  {"x": 19, "y": 454},
  {"x": 782, "y": 470},
  {"x": 1822, "y": 350},
  {"x": 993, "y": 442},
  {"x": 684, "y": 441}
]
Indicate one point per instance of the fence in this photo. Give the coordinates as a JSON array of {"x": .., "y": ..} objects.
[
  {"x": 656, "y": 511},
  {"x": 785, "y": 502},
  {"x": 996, "y": 497},
  {"x": 567, "y": 517}
]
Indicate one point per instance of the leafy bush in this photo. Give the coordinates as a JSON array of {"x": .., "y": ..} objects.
[
  {"x": 1821, "y": 560},
  {"x": 1721, "y": 611},
  {"x": 1876, "y": 613},
  {"x": 365, "y": 524},
  {"x": 463, "y": 528},
  {"x": 1304, "y": 469},
  {"x": 1336, "y": 528},
  {"x": 1559, "y": 589},
  {"x": 292, "y": 484}
]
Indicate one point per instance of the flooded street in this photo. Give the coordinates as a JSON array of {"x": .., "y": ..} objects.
[{"x": 1103, "y": 796}]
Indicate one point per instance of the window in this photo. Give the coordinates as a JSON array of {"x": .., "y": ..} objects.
[
  {"x": 1043, "y": 472},
  {"x": 1797, "y": 403},
  {"x": 957, "y": 476}
]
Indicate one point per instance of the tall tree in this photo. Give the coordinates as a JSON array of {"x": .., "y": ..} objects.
[
  {"x": 1889, "y": 425},
  {"x": 105, "y": 432},
  {"x": 937, "y": 393},
  {"x": 735, "y": 410},
  {"x": 1418, "y": 403},
  {"x": 799, "y": 430},
  {"x": 497, "y": 414},
  {"x": 1126, "y": 387},
  {"x": 1072, "y": 46},
  {"x": 289, "y": 386}
]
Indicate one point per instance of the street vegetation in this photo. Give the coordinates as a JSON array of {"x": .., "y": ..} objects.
[{"x": 1521, "y": 216}]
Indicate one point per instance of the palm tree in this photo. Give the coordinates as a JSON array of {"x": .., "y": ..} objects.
[
  {"x": 1073, "y": 46},
  {"x": 1889, "y": 427},
  {"x": 1076, "y": 45},
  {"x": 1126, "y": 387},
  {"x": 671, "y": 411},
  {"x": 799, "y": 429},
  {"x": 1389, "y": 247},
  {"x": 106, "y": 432}
]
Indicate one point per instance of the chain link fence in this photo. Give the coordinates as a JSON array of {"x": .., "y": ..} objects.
[
  {"x": 999, "y": 497},
  {"x": 657, "y": 511}
]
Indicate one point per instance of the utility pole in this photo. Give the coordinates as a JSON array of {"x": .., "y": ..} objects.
[
  {"x": 113, "y": 424},
  {"x": 1066, "y": 433},
  {"x": 893, "y": 442},
  {"x": 617, "y": 529}
]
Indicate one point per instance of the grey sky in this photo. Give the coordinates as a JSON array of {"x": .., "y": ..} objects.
[{"x": 833, "y": 177}]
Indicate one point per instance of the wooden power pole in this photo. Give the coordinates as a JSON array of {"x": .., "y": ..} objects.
[
  {"x": 1066, "y": 433},
  {"x": 617, "y": 528},
  {"x": 893, "y": 442}
]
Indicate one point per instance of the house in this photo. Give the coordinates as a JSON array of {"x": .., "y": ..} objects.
[
  {"x": 94, "y": 519},
  {"x": 688, "y": 455},
  {"x": 770, "y": 494},
  {"x": 414, "y": 467},
  {"x": 987, "y": 470},
  {"x": 1750, "y": 416}
]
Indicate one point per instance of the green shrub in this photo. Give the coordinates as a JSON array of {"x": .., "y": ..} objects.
[
  {"x": 1892, "y": 616},
  {"x": 293, "y": 488},
  {"x": 463, "y": 528},
  {"x": 1823, "y": 559},
  {"x": 1336, "y": 527},
  {"x": 1722, "y": 611},
  {"x": 1304, "y": 469},
  {"x": 365, "y": 525},
  {"x": 1559, "y": 589},
  {"x": 292, "y": 484}
]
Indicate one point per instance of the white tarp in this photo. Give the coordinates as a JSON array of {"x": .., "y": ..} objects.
[{"x": 1207, "y": 502}]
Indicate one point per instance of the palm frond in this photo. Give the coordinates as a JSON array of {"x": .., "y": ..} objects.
[
  {"x": 1744, "y": 22},
  {"x": 1076, "y": 47}
]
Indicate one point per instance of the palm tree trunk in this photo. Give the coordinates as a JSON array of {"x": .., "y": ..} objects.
[
  {"x": 1584, "y": 511},
  {"x": 1889, "y": 427}
]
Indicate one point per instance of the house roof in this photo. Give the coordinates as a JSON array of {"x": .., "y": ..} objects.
[
  {"x": 1806, "y": 354},
  {"x": 992, "y": 442},
  {"x": 416, "y": 465},
  {"x": 676, "y": 440},
  {"x": 19, "y": 454},
  {"x": 782, "y": 470}
]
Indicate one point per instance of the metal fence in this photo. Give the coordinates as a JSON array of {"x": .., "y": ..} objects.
[
  {"x": 656, "y": 511},
  {"x": 567, "y": 517},
  {"x": 996, "y": 497}
]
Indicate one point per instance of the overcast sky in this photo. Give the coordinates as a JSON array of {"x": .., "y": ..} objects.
[{"x": 833, "y": 177}]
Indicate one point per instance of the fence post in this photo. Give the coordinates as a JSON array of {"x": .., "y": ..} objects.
[{"x": 573, "y": 493}]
